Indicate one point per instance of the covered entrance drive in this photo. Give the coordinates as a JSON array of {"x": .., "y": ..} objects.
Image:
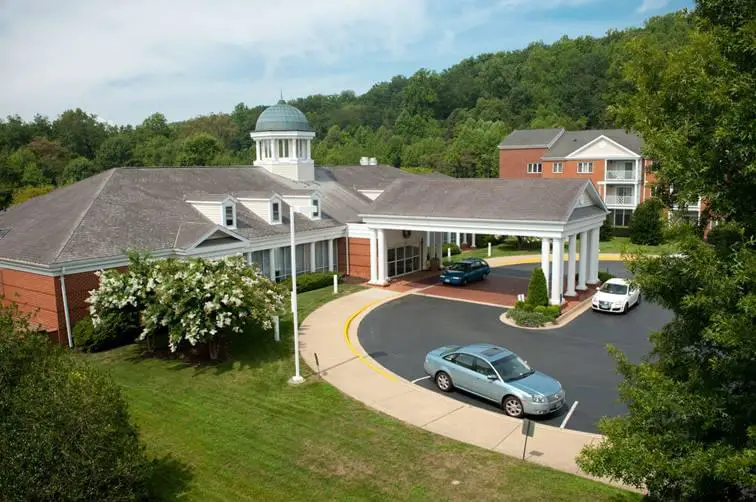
[{"x": 407, "y": 224}]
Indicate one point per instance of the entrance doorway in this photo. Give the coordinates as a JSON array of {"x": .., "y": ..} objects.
[{"x": 403, "y": 260}]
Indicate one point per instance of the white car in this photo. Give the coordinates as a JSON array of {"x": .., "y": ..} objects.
[{"x": 616, "y": 295}]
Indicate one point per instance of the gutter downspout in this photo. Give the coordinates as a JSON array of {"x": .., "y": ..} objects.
[
  {"x": 65, "y": 305},
  {"x": 346, "y": 248}
]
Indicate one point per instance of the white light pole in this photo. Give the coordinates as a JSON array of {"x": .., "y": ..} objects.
[{"x": 297, "y": 378}]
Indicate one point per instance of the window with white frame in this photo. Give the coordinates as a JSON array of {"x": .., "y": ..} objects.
[
  {"x": 283, "y": 263},
  {"x": 262, "y": 260},
  {"x": 403, "y": 260},
  {"x": 315, "y": 208},
  {"x": 275, "y": 211},
  {"x": 321, "y": 256},
  {"x": 301, "y": 149},
  {"x": 229, "y": 215},
  {"x": 585, "y": 167},
  {"x": 620, "y": 217},
  {"x": 283, "y": 148},
  {"x": 535, "y": 168},
  {"x": 267, "y": 148},
  {"x": 557, "y": 168},
  {"x": 303, "y": 258}
]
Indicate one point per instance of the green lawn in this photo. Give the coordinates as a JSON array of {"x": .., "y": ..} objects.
[
  {"x": 509, "y": 248},
  {"x": 238, "y": 431}
]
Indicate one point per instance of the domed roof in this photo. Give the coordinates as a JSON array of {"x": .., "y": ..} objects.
[{"x": 282, "y": 117}]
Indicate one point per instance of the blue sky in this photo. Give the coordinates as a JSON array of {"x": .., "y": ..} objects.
[{"x": 126, "y": 60}]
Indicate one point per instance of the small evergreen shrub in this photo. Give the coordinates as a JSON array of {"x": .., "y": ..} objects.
[
  {"x": 537, "y": 290},
  {"x": 606, "y": 231},
  {"x": 724, "y": 237},
  {"x": 115, "y": 330},
  {"x": 550, "y": 312},
  {"x": 604, "y": 276},
  {"x": 524, "y": 306},
  {"x": 454, "y": 248},
  {"x": 646, "y": 226},
  {"x": 311, "y": 281}
]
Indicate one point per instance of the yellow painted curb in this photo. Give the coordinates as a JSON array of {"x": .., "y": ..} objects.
[{"x": 361, "y": 358}]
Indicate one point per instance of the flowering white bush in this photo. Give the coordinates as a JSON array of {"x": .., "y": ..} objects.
[{"x": 195, "y": 301}]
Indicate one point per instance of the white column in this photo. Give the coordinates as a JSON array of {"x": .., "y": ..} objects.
[
  {"x": 459, "y": 239},
  {"x": 571, "y": 266},
  {"x": 425, "y": 256},
  {"x": 292, "y": 149},
  {"x": 330, "y": 255},
  {"x": 583, "y": 269},
  {"x": 312, "y": 257},
  {"x": 472, "y": 244},
  {"x": 373, "y": 257},
  {"x": 274, "y": 144},
  {"x": 545, "y": 245},
  {"x": 557, "y": 280},
  {"x": 593, "y": 256},
  {"x": 272, "y": 252},
  {"x": 257, "y": 150},
  {"x": 464, "y": 238},
  {"x": 382, "y": 257},
  {"x": 308, "y": 148}
]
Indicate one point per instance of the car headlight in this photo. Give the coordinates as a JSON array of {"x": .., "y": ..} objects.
[
  {"x": 618, "y": 304},
  {"x": 539, "y": 399}
]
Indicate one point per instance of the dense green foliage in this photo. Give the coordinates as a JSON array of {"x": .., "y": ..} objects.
[
  {"x": 449, "y": 248},
  {"x": 117, "y": 329},
  {"x": 606, "y": 231},
  {"x": 647, "y": 227},
  {"x": 450, "y": 121},
  {"x": 538, "y": 294},
  {"x": 310, "y": 281},
  {"x": 65, "y": 432},
  {"x": 690, "y": 433},
  {"x": 530, "y": 316},
  {"x": 604, "y": 276}
]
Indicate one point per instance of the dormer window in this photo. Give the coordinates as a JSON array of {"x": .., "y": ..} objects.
[
  {"x": 275, "y": 212},
  {"x": 229, "y": 215},
  {"x": 315, "y": 209}
]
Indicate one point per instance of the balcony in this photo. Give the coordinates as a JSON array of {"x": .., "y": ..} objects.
[
  {"x": 623, "y": 200},
  {"x": 621, "y": 174}
]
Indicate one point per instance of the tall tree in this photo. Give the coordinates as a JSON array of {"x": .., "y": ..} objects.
[
  {"x": 80, "y": 132},
  {"x": 690, "y": 433},
  {"x": 114, "y": 152},
  {"x": 199, "y": 150}
]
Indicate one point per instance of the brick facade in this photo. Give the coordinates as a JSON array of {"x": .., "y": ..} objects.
[
  {"x": 514, "y": 163},
  {"x": 34, "y": 294},
  {"x": 359, "y": 257}
]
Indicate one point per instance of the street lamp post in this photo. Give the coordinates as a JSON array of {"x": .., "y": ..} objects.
[{"x": 297, "y": 378}]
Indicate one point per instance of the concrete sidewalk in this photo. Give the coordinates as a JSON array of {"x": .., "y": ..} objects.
[{"x": 331, "y": 333}]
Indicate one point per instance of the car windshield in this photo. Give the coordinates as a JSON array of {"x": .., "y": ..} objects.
[
  {"x": 614, "y": 289},
  {"x": 461, "y": 267},
  {"x": 512, "y": 368}
]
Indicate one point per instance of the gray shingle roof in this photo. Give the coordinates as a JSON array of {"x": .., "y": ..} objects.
[
  {"x": 371, "y": 177},
  {"x": 571, "y": 141},
  {"x": 145, "y": 208},
  {"x": 496, "y": 199},
  {"x": 530, "y": 138},
  {"x": 190, "y": 232}
]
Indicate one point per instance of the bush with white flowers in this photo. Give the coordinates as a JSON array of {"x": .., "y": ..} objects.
[{"x": 194, "y": 301}]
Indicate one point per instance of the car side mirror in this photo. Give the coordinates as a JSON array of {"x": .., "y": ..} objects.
[{"x": 493, "y": 378}]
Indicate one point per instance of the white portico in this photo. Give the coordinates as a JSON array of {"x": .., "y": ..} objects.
[{"x": 556, "y": 211}]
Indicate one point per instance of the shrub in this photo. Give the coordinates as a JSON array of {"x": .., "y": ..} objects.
[
  {"x": 310, "y": 281},
  {"x": 724, "y": 236},
  {"x": 550, "y": 312},
  {"x": 604, "y": 276},
  {"x": 646, "y": 226},
  {"x": 537, "y": 290},
  {"x": 114, "y": 330},
  {"x": 524, "y": 306},
  {"x": 482, "y": 241},
  {"x": 65, "y": 432},
  {"x": 527, "y": 318},
  {"x": 606, "y": 230},
  {"x": 454, "y": 248}
]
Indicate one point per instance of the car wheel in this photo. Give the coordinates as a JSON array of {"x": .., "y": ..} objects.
[
  {"x": 625, "y": 309},
  {"x": 464, "y": 281},
  {"x": 444, "y": 382},
  {"x": 512, "y": 407},
  {"x": 638, "y": 301}
]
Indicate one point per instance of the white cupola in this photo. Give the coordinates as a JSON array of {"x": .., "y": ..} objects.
[{"x": 283, "y": 139}]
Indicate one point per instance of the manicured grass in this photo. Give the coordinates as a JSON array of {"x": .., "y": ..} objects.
[
  {"x": 238, "y": 431},
  {"x": 509, "y": 248}
]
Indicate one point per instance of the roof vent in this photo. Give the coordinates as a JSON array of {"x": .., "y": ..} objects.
[
  {"x": 372, "y": 161},
  {"x": 364, "y": 161}
]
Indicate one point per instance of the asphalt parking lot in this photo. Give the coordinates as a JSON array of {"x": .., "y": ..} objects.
[{"x": 399, "y": 334}]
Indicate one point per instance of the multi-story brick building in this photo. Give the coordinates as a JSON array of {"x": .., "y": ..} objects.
[{"x": 611, "y": 159}]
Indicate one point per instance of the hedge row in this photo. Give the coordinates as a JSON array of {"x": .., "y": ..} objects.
[{"x": 310, "y": 281}]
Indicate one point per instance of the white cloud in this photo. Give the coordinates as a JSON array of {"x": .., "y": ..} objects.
[
  {"x": 651, "y": 5},
  {"x": 109, "y": 56}
]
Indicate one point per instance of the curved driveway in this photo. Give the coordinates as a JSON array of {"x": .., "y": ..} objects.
[{"x": 399, "y": 334}]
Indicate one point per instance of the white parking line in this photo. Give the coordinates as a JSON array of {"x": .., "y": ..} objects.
[
  {"x": 421, "y": 378},
  {"x": 569, "y": 414}
]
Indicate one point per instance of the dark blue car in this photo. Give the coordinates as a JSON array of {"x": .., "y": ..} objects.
[{"x": 465, "y": 271}]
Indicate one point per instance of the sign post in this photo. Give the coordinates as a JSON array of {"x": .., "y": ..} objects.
[
  {"x": 528, "y": 430},
  {"x": 489, "y": 249}
]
